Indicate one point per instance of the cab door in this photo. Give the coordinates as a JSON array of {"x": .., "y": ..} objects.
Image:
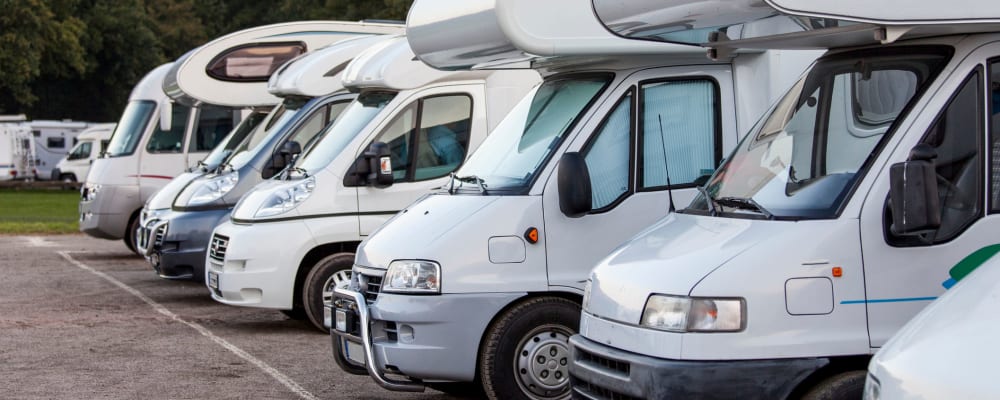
[
  {"x": 903, "y": 273},
  {"x": 428, "y": 138},
  {"x": 162, "y": 154},
  {"x": 664, "y": 134}
]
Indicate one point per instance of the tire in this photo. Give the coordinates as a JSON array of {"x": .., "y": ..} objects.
[
  {"x": 315, "y": 289},
  {"x": 843, "y": 386},
  {"x": 297, "y": 314},
  {"x": 468, "y": 390},
  {"x": 67, "y": 178},
  {"x": 525, "y": 353},
  {"x": 130, "y": 234}
]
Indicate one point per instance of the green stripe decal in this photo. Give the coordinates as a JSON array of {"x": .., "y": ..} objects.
[{"x": 969, "y": 264}]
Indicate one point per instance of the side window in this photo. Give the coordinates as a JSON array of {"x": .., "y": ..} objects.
[
  {"x": 994, "y": 147},
  {"x": 443, "y": 137},
  {"x": 335, "y": 110},
  {"x": 680, "y": 133},
  {"x": 214, "y": 123},
  {"x": 955, "y": 137},
  {"x": 80, "y": 152},
  {"x": 171, "y": 141},
  {"x": 311, "y": 127},
  {"x": 56, "y": 143},
  {"x": 607, "y": 156},
  {"x": 430, "y": 138}
]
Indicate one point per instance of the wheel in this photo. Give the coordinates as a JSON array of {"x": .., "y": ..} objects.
[
  {"x": 525, "y": 354},
  {"x": 332, "y": 271},
  {"x": 132, "y": 235},
  {"x": 67, "y": 178},
  {"x": 843, "y": 386},
  {"x": 469, "y": 390},
  {"x": 297, "y": 314}
]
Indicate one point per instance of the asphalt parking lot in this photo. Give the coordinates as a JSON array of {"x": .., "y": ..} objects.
[{"x": 84, "y": 318}]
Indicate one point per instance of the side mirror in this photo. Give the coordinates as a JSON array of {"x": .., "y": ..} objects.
[
  {"x": 166, "y": 114},
  {"x": 575, "y": 195},
  {"x": 379, "y": 165},
  {"x": 913, "y": 193}
]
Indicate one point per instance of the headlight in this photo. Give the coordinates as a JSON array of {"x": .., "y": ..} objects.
[
  {"x": 205, "y": 191},
  {"x": 687, "y": 314},
  {"x": 873, "y": 390},
  {"x": 413, "y": 276},
  {"x": 89, "y": 192},
  {"x": 287, "y": 197}
]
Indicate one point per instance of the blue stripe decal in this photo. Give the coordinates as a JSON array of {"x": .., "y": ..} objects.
[{"x": 888, "y": 300}]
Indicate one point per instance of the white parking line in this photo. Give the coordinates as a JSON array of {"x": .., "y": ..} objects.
[
  {"x": 277, "y": 375},
  {"x": 35, "y": 241}
]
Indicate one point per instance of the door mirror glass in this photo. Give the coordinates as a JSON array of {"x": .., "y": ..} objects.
[
  {"x": 575, "y": 196},
  {"x": 166, "y": 114},
  {"x": 913, "y": 193}
]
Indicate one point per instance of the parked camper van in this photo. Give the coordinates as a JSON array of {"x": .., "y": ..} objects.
[
  {"x": 409, "y": 128},
  {"x": 831, "y": 224},
  {"x": 485, "y": 276},
  {"x": 17, "y": 150},
  {"x": 177, "y": 222},
  {"x": 53, "y": 142},
  {"x": 227, "y": 76},
  {"x": 90, "y": 143}
]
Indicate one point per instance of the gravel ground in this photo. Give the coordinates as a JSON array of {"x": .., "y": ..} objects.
[{"x": 67, "y": 332}]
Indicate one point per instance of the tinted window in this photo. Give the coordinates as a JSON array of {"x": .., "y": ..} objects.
[
  {"x": 130, "y": 128},
  {"x": 170, "y": 141},
  {"x": 55, "y": 143},
  {"x": 994, "y": 147},
  {"x": 254, "y": 62},
  {"x": 81, "y": 151},
  {"x": 214, "y": 123},
  {"x": 444, "y": 135}
]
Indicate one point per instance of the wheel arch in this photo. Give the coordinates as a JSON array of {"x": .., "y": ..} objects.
[
  {"x": 312, "y": 257},
  {"x": 836, "y": 366}
]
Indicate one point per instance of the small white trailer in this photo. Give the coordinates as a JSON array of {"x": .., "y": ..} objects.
[
  {"x": 53, "y": 141},
  {"x": 16, "y": 149}
]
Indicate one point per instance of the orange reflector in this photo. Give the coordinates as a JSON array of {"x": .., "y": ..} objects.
[
  {"x": 531, "y": 235},
  {"x": 837, "y": 272}
]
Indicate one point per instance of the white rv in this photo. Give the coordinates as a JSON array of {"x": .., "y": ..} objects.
[
  {"x": 831, "y": 224},
  {"x": 90, "y": 143},
  {"x": 482, "y": 281},
  {"x": 53, "y": 141},
  {"x": 409, "y": 128},
  {"x": 157, "y": 138},
  {"x": 17, "y": 150}
]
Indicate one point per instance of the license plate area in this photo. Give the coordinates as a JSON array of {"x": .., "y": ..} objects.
[
  {"x": 353, "y": 351},
  {"x": 213, "y": 280}
]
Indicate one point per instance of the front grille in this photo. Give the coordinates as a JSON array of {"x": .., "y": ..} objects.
[
  {"x": 159, "y": 235},
  {"x": 621, "y": 367},
  {"x": 587, "y": 390},
  {"x": 372, "y": 286},
  {"x": 217, "y": 248},
  {"x": 391, "y": 332}
]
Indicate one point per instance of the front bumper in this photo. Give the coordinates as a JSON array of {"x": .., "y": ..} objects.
[
  {"x": 255, "y": 265},
  {"x": 603, "y": 372},
  {"x": 176, "y": 242},
  {"x": 107, "y": 215},
  {"x": 418, "y": 337}
]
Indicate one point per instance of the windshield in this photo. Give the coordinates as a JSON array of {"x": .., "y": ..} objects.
[
  {"x": 278, "y": 118},
  {"x": 130, "y": 128},
  {"x": 343, "y": 130},
  {"x": 519, "y": 145},
  {"x": 226, "y": 146},
  {"x": 803, "y": 159}
]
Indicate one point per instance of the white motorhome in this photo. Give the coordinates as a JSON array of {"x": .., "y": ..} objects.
[
  {"x": 948, "y": 350},
  {"x": 90, "y": 143},
  {"x": 409, "y": 128},
  {"x": 829, "y": 227},
  {"x": 177, "y": 222},
  {"x": 17, "y": 150},
  {"x": 213, "y": 86},
  {"x": 485, "y": 277},
  {"x": 53, "y": 141}
]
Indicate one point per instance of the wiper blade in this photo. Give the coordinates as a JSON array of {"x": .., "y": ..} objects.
[
  {"x": 708, "y": 200},
  {"x": 745, "y": 204},
  {"x": 467, "y": 179},
  {"x": 292, "y": 168}
]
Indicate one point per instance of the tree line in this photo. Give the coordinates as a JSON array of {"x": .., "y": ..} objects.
[{"x": 79, "y": 59}]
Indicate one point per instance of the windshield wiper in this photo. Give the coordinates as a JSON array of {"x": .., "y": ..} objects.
[
  {"x": 293, "y": 168},
  {"x": 745, "y": 204},
  {"x": 708, "y": 200},
  {"x": 466, "y": 179}
]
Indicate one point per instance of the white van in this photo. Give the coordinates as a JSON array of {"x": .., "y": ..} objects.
[
  {"x": 90, "y": 143},
  {"x": 948, "y": 350},
  {"x": 213, "y": 86},
  {"x": 485, "y": 276},
  {"x": 177, "y": 222},
  {"x": 409, "y": 128},
  {"x": 17, "y": 150},
  {"x": 832, "y": 223},
  {"x": 53, "y": 141}
]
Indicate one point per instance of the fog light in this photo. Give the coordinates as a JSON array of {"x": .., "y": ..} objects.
[
  {"x": 327, "y": 318},
  {"x": 341, "y": 321}
]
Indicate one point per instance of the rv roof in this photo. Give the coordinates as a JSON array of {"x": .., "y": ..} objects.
[
  {"x": 13, "y": 118},
  {"x": 319, "y": 73},
  {"x": 233, "y": 70},
  {"x": 150, "y": 87},
  {"x": 486, "y": 33},
  {"x": 391, "y": 65},
  {"x": 793, "y": 24}
]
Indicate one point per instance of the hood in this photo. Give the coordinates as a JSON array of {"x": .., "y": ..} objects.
[
  {"x": 164, "y": 198},
  {"x": 113, "y": 171},
  {"x": 670, "y": 257}
]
